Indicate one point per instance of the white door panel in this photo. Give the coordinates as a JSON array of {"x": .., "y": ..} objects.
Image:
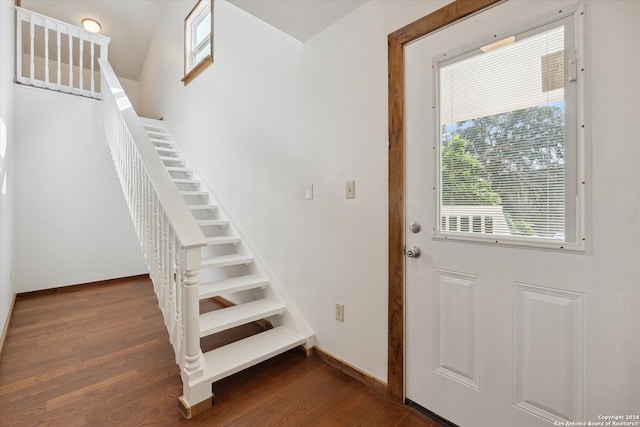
[{"x": 505, "y": 336}]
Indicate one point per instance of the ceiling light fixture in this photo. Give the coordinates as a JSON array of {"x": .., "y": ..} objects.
[
  {"x": 91, "y": 25},
  {"x": 504, "y": 42}
]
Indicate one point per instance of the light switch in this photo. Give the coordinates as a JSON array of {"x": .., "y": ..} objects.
[
  {"x": 351, "y": 189},
  {"x": 340, "y": 312},
  {"x": 308, "y": 192}
]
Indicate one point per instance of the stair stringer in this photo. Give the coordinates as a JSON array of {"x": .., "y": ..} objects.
[{"x": 292, "y": 317}]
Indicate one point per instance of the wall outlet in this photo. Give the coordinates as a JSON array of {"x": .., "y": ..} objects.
[
  {"x": 340, "y": 312},
  {"x": 351, "y": 189}
]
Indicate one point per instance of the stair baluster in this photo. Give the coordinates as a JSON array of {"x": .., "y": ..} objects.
[{"x": 169, "y": 235}]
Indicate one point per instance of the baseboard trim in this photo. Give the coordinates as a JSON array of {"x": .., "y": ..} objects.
[
  {"x": 263, "y": 323},
  {"x": 5, "y": 330},
  {"x": 67, "y": 288},
  {"x": 351, "y": 370},
  {"x": 427, "y": 413}
]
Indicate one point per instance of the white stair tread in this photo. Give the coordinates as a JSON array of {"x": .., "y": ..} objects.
[
  {"x": 172, "y": 159},
  {"x": 223, "y": 240},
  {"x": 226, "y": 260},
  {"x": 179, "y": 169},
  {"x": 230, "y": 359},
  {"x": 186, "y": 181},
  {"x": 164, "y": 142},
  {"x": 158, "y": 134},
  {"x": 218, "y": 222},
  {"x": 230, "y": 317},
  {"x": 146, "y": 121},
  {"x": 203, "y": 207},
  {"x": 168, "y": 150},
  {"x": 195, "y": 193},
  {"x": 227, "y": 286},
  {"x": 154, "y": 128}
]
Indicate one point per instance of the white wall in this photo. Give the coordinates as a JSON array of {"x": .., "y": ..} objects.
[
  {"x": 131, "y": 89},
  {"x": 71, "y": 221},
  {"x": 273, "y": 115},
  {"x": 342, "y": 136},
  {"x": 6, "y": 158}
]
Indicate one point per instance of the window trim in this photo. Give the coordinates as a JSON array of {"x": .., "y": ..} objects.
[
  {"x": 578, "y": 167},
  {"x": 191, "y": 71}
]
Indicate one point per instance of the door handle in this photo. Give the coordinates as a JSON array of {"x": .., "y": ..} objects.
[{"x": 413, "y": 252}]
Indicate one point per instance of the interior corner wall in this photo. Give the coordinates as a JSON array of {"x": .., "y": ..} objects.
[
  {"x": 71, "y": 222},
  {"x": 6, "y": 159},
  {"x": 130, "y": 88},
  {"x": 273, "y": 115}
]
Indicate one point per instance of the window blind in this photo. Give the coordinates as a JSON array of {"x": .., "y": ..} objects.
[{"x": 502, "y": 138}]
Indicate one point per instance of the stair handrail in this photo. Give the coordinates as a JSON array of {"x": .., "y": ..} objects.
[
  {"x": 185, "y": 226},
  {"x": 170, "y": 237},
  {"x": 76, "y": 38}
]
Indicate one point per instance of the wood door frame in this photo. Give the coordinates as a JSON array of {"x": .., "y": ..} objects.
[{"x": 447, "y": 15}]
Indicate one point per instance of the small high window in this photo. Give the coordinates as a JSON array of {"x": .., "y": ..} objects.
[
  {"x": 509, "y": 136},
  {"x": 198, "y": 40}
]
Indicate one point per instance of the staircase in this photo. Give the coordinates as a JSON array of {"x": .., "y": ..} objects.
[
  {"x": 229, "y": 272},
  {"x": 194, "y": 252}
]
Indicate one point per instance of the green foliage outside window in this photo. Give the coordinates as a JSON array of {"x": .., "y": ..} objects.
[{"x": 514, "y": 159}]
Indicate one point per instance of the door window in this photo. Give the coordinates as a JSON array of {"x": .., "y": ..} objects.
[{"x": 508, "y": 151}]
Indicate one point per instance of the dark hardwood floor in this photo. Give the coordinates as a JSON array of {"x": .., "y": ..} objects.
[{"x": 99, "y": 355}]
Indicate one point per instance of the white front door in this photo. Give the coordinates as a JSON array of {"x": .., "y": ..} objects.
[{"x": 514, "y": 335}]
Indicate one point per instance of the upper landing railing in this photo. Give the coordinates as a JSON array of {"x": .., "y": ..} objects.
[{"x": 55, "y": 55}]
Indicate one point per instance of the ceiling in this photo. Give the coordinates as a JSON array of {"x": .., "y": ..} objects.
[
  {"x": 130, "y": 23},
  {"x": 301, "y": 19}
]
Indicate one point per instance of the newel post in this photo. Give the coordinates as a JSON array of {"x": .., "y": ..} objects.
[{"x": 197, "y": 394}]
